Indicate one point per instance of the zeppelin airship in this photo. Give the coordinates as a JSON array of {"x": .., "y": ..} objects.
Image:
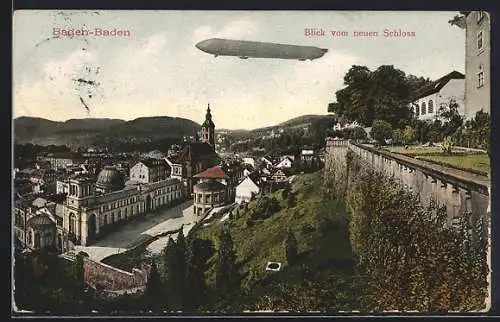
[{"x": 255, "y": 49}]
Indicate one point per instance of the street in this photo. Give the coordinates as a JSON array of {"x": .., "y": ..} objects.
[{"x": 136, "y": 231}]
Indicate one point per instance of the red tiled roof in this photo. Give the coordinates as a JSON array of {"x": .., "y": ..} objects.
[{"x": 212, "y": 173}]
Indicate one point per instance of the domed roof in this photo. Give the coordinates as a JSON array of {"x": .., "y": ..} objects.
[
  {"x": 110, "y": 179},
  {"x": 209, "y": 185},
  {"x": 41, "y": 221}
]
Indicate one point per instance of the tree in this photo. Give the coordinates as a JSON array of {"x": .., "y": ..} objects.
[
  {"x": 447, "y": 145},
  {"x": 453, "y": 119},
  {"x": 357, "y": 133},
  {"x": 397, "y": 136},
  {"x": 381, "y": 130},
  {"x": 290, "y": 247},
  {"x": 173, "y": 276},
  {"x": 381, "y": 94},
  {"x": 182, "y": 254},
  {"x": 458, "y": 20},
  {"x": 433, "y": 136},
  {"x": 196, "y": 287},
  {"x": 79, "y": 269},
  {"x": 227, "y": 279},
  {"x": 290, "y": 200},
  {"x": 421, "y": 130},
  {"x": 154, "y": 288},
  {"x": 408, "y": 134}
]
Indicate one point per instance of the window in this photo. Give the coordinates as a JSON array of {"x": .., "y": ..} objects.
[
  {"x": 72, "y": 223},
  {"x": 423, "y": 108},
  {"x": 480, "y": 40},
  {"x": 37, "y": 240},
  {"x": 480, "y": 79},
  {"x": 480, "y": 16},
  {"x": 430, "y": 108}
]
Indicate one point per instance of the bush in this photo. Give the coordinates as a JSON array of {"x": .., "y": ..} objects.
[
  {"x": 308, "y": 229},
  {"x": 381, "y": 130},
  {"x": 290, "y": 247},
  {"x": 447, "y": 145},
  {"x": 387, "y": 222}
]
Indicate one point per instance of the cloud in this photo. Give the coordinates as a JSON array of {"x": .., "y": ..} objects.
[
  {"x": 61, "y": 75},
  {"x": 237, "y": 29},
  {"x": 56, "y": 93},
  {"x": 202, "y": 33},
  {"x": 146, "y": 53},
  {"x": 135, "y": 70}
]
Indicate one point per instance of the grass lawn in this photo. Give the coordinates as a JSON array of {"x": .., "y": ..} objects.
[
  {"x": 322, "y": 277},
  {"x": 468, "y": 161},
  {"x": 478, "y": 162},
  {"x": 418, "y": 150}
]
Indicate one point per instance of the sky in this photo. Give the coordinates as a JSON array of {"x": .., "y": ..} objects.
[{"x": 157, "y": 70}]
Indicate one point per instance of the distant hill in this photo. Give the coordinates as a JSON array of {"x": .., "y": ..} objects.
[
  {"x": 300, "y": 121},
  {"x": 84, "y": 132},
  {"x": 306, "y": 119}
]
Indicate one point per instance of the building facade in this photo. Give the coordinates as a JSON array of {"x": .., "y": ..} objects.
[
  {"x": 91, "y": 209},
  {"x": 442, "y": 93},
  {"x": 477, "y": 63},
  {"x": 246, "y": 190},
  {"x": 60, "y": 160},
  {"x": 90, "y": 213},
  {"x": 208, "y": 194},
  {"x": 150, "y": 170}
]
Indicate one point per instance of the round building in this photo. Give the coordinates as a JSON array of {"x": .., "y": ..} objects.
[{"x": 208, "y": 194}]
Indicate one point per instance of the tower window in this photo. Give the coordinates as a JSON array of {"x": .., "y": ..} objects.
[
  {"x": 480, "y": 16},
  {"x": 480, "y": 40},
  {"x": 480, "y": 77}
]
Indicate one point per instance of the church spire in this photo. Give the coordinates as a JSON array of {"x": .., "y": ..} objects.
[
  {"x": 208, "y": 129},
  {"x": 208, "y": 116}
]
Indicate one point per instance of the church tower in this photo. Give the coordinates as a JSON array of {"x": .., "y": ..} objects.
[{"x": 208, "y": 129}]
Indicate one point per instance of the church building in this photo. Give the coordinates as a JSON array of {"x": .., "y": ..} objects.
[{"x": 196, "y": 157}]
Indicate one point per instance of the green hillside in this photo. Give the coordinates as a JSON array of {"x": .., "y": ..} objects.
[{"x": 323, "y": 278}]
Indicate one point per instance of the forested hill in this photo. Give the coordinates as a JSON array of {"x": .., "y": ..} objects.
[
  {"x": 300, "y": 121},
  {"x": 84, "y": 132}
]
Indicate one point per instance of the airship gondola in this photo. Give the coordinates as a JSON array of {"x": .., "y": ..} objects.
[{"x": 255, "y": 49}]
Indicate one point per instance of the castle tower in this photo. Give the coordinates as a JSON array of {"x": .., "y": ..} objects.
[{"x": 208, "y": 129}]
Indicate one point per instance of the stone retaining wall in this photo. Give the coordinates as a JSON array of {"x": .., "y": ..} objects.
[{"x": 109, "y": 278}]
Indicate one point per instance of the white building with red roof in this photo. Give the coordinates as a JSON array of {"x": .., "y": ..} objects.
[{"x": 213, "y": 189}]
